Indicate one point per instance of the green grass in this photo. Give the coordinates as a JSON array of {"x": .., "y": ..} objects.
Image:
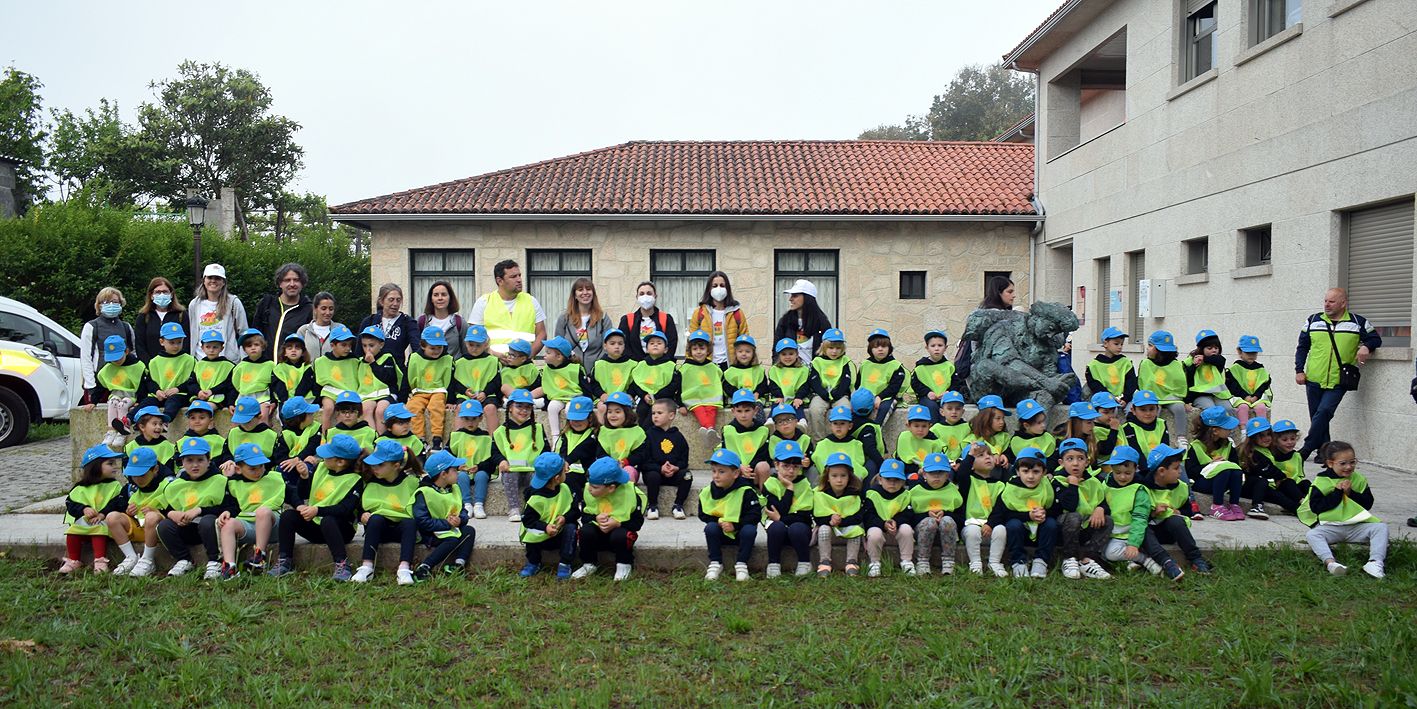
[
  {"x": 47, "y": 431},
  {"x": 1269, "y": 629}
]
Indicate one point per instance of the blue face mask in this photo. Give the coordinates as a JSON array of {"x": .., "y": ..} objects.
[
  {"x": 162, "y": 300},
  {"x": 110, "y": 310}
]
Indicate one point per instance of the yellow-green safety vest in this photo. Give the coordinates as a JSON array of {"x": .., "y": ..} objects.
[
  {"x": 368, "y": 384},
  {"x": 619, "y": 443},
  {"x": 852, "y": 448},
  {"x": 824, "y": 504},
  {"x": 789, "y": 380},
  {"x": 741, "y": 377},
  {"x": 1212, "y": 465},
  {"x": 336, "y": 376},
  {"x": 888, "y": 507},
  {"x": 290, "y": 375},
  {"x": 266, "y": 439},
  {"x": 1044, "y": 442},
  {"x": 874, "y": 375},
  {"x": 169, "y": 371},
  {"x": 1347, "y": 511},
  {"x": 164, "y": 450},
  {"x": 474, "y": 447},
  {"x": 912, "y": 451},
  {"x": 96, "y": 496},
  {"x": 802, "y": 493},
  {"x": 650, "y": 378},
  {"x": 392, "y": 502},
  {"x": 1207, "y": 379},
  {"x": 475, "y": 373},
  {"x": 953, "y": 436},
  {"x": 1120, "y": 502},
  {"x": 1112, "y": 375},
  {"x": 118, "y": 378},
  {"x": 700, "y": 385},
  {"x": 620, "y": 504},
  {"x": 1168, "y": 383},
  {"x": 296, "y": 441},
  {"x": 254, "y": 379},
  {"x": 935, "y": 376},
  {"x": 830, "y": 371},
  {"x": 726, "y": 508},
  {"x": 413, "y": 443},
  {"x": 268, "y": 492},
  {"x": 1251, "y": 380},
  {"x": 520, "y": 445},
  {"x": 746, "y": 443},
  {"x": 980, "y": 502},
  {"x": 503, "y": 326},
  {"x": 1176, "y": 498},
  {"x": 328, "y": 488},
  {"x": 210, "y": 374},
  {"x": 998, "y": 443},
  {"x": 613, "y": 376},
  {"x": 548, "y": 508},
  {"x": 519, "y": 377},
  {"x": 364, "y": 435},
  {"x": 427, "y": 376},
  {"x": 440, "y": 504},
  {"x": 1024, "y": 499},
  {"x": 155, "y": 499},
  {"x": 561, "y": 383},
  {"x": 215, "y": 440},
  {"x": 183, "y": 494},
  {"x": 924, "y": 499}
]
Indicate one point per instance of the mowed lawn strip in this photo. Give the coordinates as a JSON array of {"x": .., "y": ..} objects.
[{"x": 1268, "y": 629}]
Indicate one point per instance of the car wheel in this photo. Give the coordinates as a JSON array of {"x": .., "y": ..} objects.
[{"x": 14, "y": 419}]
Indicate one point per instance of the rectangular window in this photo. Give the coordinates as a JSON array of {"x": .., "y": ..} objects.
[
  {"x": 1256, "y": 241},
  {"x": 1197, "y": 253},
  {"x": 426, "y": 267},
  {"x": 1136, "y": 271},
  {"x": 1379, "y": 267},
  {"x": 816, "y": 265},
  {"x": 679, "y": 279},
  {"x": 1104, "y": 294},
  {"x": 912, "y": 285},
  {"x": 550, "y": 273},
  {"x": 1200, "y": 40},
  {"x": 1270, "y": 17}
]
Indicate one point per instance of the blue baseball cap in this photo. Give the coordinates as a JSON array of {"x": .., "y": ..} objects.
[
  {"x": 1072, "y": 444},
  {"x": 249, "y": 333},
  {"x": 1216, "y": 416},
  {"x": 579, "y": 408},
  {"x": 863, "y": 400},
  {"x": 785, "y": 343},
  {"x": 545, "y": 467},
  {"x": 744, "y": 396},
  {"x": 385, "y": 451},
  {"x": 787, "y": 450},
  {"x": 1113, "y": 333},
  {"x": 340, "y": 333},
  {"x": 783, "y": 410},
  {"x": 612, "y": 332},
  {"x": 172, "y": 331},
  {"x": 840, "y": 413},
  {"x": 700, "y": 336},
  {"x": 621, "y": 398},
  {"x": 147, "y": 411},
  {"x": 1162, "y": 340},
  {"x": 115, "y": 348},
  {"x": 1028, "y": 408},
  {"x": 657, "y": 333},
  {"x": 951, "y": 397},
  {"x": 247, "y": 408},
  {"x": 470, "y": 409},
  {"x": 249, "y": 454},
  {"x": 1284, "y": 426},
  {"x": 746, "y": 340},
  {"x": 1160, "y": 454},
  {"x": 992, "y": 401},
  {"x": 892, "y": 468},
  {"x": 936, "y": 463},
  {"x": 936, "y": 333},
  {"x": 341, "y": 445},
  {"x": 434, "y": 335},
  {"x": 1123, "y": 454},
  {"x": 214, "y": 336},
  {"x": 723, "y": 456},
  {"x": 837, "y": 459},
  {"x": 1030, "y": 453},
  {"x": 1145, "y": 397},
  {"x": 521, "y": 396},
  {"x": 297, "y": 406},
  {"x": 1250, "y": 343},
  {"x": 348, "y": 397},
  {"x": 606, "y": 471},
  {"x": 1257, "y": 425},
  {"x": 200, "y": 405},
  {"x": 475, "y": 333},
  {"x": 1104, "y": 400},
  {"x": 99, "y": 452},
  {"x": 397, "y": 412},
  {"x": 295, "y": 337},
  {"x": 195, "y": 446},
  {"x": 560, "y": 344},
  {"x": 373, "y": 331},
  {"x": 441, "y": 461},
  {"x": 140, "y": 462},
  {"x": 521, "y": 347},
  {"x": 834, "y": 335},
  {"x": 918, "y": 413},
  {"x": 1082, "y": 411},
  {"x": 878, "y": 332},
  {"x": 1204, "y": 335}
]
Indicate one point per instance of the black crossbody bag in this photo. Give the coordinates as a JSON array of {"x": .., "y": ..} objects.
[{"x": 1348, "y": 374}]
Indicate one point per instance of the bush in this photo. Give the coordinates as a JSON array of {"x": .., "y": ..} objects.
[{"x": 58, "y": 256}]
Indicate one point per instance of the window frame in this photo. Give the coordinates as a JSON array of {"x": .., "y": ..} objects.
[
  {"x": 1191, "y": 41},
  {"x": 913, "y": 294},
  {"x": 1263, "y": 14},
  {"x": 1257, "y": 246},
  {"x": 413, "y": 300},
  {"x": 778, "y": 272},
  {"x": 659, "y": 278},
  {"x": 1189, "y": 250}
]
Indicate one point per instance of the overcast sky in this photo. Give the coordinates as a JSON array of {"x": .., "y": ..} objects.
[{"x": 395, "y": 95}]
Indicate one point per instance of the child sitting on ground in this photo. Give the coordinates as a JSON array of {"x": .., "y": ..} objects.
[
  {"x": 1170, "y": 497},
  {"x": 97, "y": 494},
  {"x": 195, "y": 498},
  {"x": 549, "y": 518},
  {"x": 1084, "y": 529},
  {"x": 1028, "y": 507},
  {"x": 258, "y": 497},
  {"x": 730, "y": 510},
  {"x": 747, "y": 438},
  {"x": 327, "y": 514},
  {"x": 888, "y": 516},
  {"x": 788, "y": 507},
  {"x": 1338, "y": 508},
  {"x": 1130, "y": 506}
]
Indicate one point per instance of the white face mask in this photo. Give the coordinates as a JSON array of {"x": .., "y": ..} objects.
[
  {"x": 646, "y": 301},
  {"x": 162, "y": 300},
  {"x": 719, "y": 293}
]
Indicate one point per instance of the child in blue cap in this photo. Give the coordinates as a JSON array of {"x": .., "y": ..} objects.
[
  {"x": 1205, "y": 373},
  {"x": 579, "y": 447},
  {"x": 98, "y": 493},
  {"x": 951, "y": 428},
  {"x": 325, "y": 510},
  {"x": 519, "y": 371},
  {"x": 258, "y": 498},
  {"x": 1032, "y": 432},
  {"x": 473, "y": 444},
  {"x": 744, "y": 371},
  {"x": 476, "y": 375},
  {"x": 194, "y": 499},
  {"x": 788, "y": 508},
  {"x": 549, "y": 517},
  {"x": 1129, "y": 506},
  {"x": 349, "y": 413},
  {"x": 655, "y": 376},
  {"x": 831, "y": 380},
  {"x": 747, "y": 438},
  {"x": 867, "y": 431},
  {"x": 1279, "y": 463},
  {"x": 881, "y": 374},
  {"x": 1248, "y": 381},
  {"x": 837, "y": 509},
  {"x": 248, "y": 426},
  {"x": 213, "y": 370},
  {"x": 398, "y": 427},
  {"x": 150, "y": 432},
  {"x": 116, "y": 385},
  {"x": 839, "y": 440},
  {"x": 786, "y": 427},
  {"x": 917, "y": 442},
  {"x": 562, "y": 380},
  {"x": 1213, "y": 465},
  {"x": 1170, "y": 498},
  {"x": 939, "y": 510},
  {"x": 787, "y": 378},
  {"x": 430, "y": 373},
  {"x": 1028, "y": 508},
  {"x": 387, "y": 504},
  {"x": 612, "y": 514},
  {"x": 701, "y": 383},
  {"x": 730, "y": 509},
  {"x": 169, "y": 381},
  {"x": 1164, "y": 375},
  {"x": 1110, "y": 372},
  {"x": 934, "y": 375},
  {"x": 438, "y": 512},
  {"x": 1084, "y": 529},
  {"x": 888, "y": 515},
  {"x": 988, "y": 438},
  {"x": 289, "y": 372},
  {"x": 333, "y": 373},
  {"x": 295, "y": 454},
  {"x": 515, "y": 445},
  {"x": 147, "y": 502},
  {"x": 1106, "y": 430}
]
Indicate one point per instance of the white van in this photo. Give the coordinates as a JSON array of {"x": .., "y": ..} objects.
[{"x": 40, "y": 375}]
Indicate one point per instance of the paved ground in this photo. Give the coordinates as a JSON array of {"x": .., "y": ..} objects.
[{"x": 34, "y": 471}]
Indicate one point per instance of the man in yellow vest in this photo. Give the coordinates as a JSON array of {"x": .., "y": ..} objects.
[
  {"x": 1330, "y": 341},
  {"x": 509, "y": 313}
]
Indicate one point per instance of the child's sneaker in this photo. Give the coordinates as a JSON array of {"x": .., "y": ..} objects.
[
  {"x": 228, "y": 571},
  {"x": 584, "y": 571},
  {"x": 998, "y": 569},
  {"x": 1020, "y": 571},
  {"x": 740, "y": 571},
  {"x": 514, "y": 517},
  {"x": 70, "y": 566},
  {"x": 1234, "y": 513},
  {"x": 530, "y": 570},
  {"x": 1151, "y": 565},
  {"x": 455, "y": 569},
  {"x": 679, "y": 512},
  {"x": 256, "y": 562},
  {"x": 909, "y": 568},
  {"x": 478, "y": 511},
  {"x": 714, "y": 570},
  {"x": 425, "y": 572},
  {"x": 1040, "y": 569},
  {"x": 181, "y": 567},
  {"x": 364, "y": 573},
  {"x": 853, "y": 569},
  {"x": 1374, "y": 568},
  {"x": 1202, "y": 567},
  {"x": 212, "y": 572},
  {"x": 873, "y": 570},
  {"x": 100, "y": 565},
  {"x": 622, "y": 571},
  {"x": 1071, "y": 568},
  {"x": 976, "y": 567},
  {"x": 563, "y": 572},
  {"x": 342, "y": 572},
  {"x": 1173, "y": 571},
  {"x": 824, "y": 570},
  {"x": 144, "y": 567},
  {"x": 126, "y": 565},
  {"x": 283, "y": 566},
  {"x": 774, "y": 570},
  {"x": 405, "y": 577},
  {"x": 1093, "y": 570},
  {"x": 1196, "y": 515},
  {"x": 436, "y": 445},
  {"x": 1258, "y": 512},
  {"x": 1220, "y": 512},
  {"x": 947, "y": 567},
  {"x": 804, "y": 568},
  {"x": 652, "y": 513},
  {"x": 922, "y": 567},
  {"x": 1336, "y": 568}
]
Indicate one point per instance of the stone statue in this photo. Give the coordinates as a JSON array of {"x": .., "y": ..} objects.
[{"x": 1015, "y": 353}]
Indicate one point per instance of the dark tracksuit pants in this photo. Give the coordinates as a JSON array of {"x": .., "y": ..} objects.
[
  {"x": 1172, "y": 530},
  {"x": 457, "y": 548},
  {"x": 1018, "y": 536},
  {"x": 333, "y": 532},
  {"x": 716, "y": 539},
  {"x": 172, "y": 406},
  {"x": 619, "y": 540},
  {"x": 179, "y": 539},
  {"x": 564, "y": 544},
  {"x": 379, "y": 530},
  {"x": 1287, "y": 495},
  {"x": 653, "y": 479},
  {"x": 797, "y": 534}
]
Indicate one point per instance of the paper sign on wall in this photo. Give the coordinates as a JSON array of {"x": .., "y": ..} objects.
[{"x": 1114, "y": 301}]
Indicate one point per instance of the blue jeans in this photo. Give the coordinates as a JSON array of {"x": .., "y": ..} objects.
[
  {"x": 1230, "y": 481},
  {"x": 1018, "y": 536},
  {"x": 883, "y": 411},
  {"x": 713, "y": 535},
  {"x": 474, "y": 489},
  {"x": 1323, "y": 404}
]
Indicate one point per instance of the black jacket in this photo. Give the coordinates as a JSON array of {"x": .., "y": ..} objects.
[
  {"x": 396, "y": 339},
  {"x": 655, "y": 455},
  {"x": 1065, "y": 498},
  {"x": 146, "y": 329},
  {"x": 630, "y": 325},
  {"x": 267, "y": 318}
]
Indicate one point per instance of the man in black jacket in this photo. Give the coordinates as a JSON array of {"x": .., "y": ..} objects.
[{"x": 283, "y": 312}]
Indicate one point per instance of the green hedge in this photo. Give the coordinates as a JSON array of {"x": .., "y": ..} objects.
[{"x": 58, "y": 256}]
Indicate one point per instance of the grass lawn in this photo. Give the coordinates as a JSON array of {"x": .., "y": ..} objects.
[
  {"x": 47, "y": 430},
  {"x": 1268, "y": 629}
]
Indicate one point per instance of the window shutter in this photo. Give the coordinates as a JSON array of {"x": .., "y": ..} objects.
[{"x": 1380, "y": 241}]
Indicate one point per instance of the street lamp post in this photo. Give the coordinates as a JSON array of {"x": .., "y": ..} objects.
[{"x": 196, "y": 214}]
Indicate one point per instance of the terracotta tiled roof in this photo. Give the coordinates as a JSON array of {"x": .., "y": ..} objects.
[{"x": 851, "y": 177}]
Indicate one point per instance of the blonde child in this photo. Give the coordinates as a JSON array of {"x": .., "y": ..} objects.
[
  {"x": 430, "y": 373},
  {"x": 934, "y": 375},
  {"x": 387, "y": 502},
  {"x": 837, "y": 510},
  {"x": 787, "y": 378},
  {"x": 611, "y": 519},
  {"x": 888, "y": 515},
  {"x": 787, "y": 507},
  {"x": 253, "y": 375},
  {"x": 561, "y": 381},
  {"x": 98, "y": 494},
  {"x": 1248, "y": 381},
  {"x": 475, "y": 376},
  {"x": 730, "y": 509},
  {"x": 1164, "y": 375},
  {"x": 515, "y": 444},
  {"x": 147, "y": 487},
  {"x": 917, "y": 442},
  {"x": 116, "y": 385},
  {"x": 622, "y": 438},
  {"x": 1110, "y": 372},
  {"x": 881, "y": 374},
  {"x": 831, "y": 379},
  {"x": 938, "y": 507},
  {"x": 701, "y": 384},
  {"x": 258, "y": 497},
  {"x": 1338, "y": 508}
]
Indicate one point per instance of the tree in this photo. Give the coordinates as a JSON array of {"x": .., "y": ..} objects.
[
  {"x": 212, "y": 127},
  {"x": 979, "y": 103},
  {"x": 89, "y": 155},
  {"x": 22, "y": 134}
]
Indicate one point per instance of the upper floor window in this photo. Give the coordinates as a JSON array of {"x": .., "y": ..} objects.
[
  {"x": 1270, "y": 17},
  {"x": 1200, "y": 39}
]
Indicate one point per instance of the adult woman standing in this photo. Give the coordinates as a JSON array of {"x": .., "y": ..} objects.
[
  {"x": 804, "y": 320},
  {"x": 719, "y": 315},
  {"x": 646, "y": 319},
  {"x": 998, "y": 295},
  {"x": 584, "y": 323},
  {"x": 399, "y": 329},
  {"x": 108, "y": 305},
  {"x": 213, "y": 308},
  {"x": 440, "y": 309},
  {"x": 317, "y": 331},
  {"x": 158, "y": 309}
]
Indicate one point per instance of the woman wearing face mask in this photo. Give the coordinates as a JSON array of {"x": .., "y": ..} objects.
[
  {"x": 158, "y": 310},
  {"x": 719, "y": 315},
  {"x": 646, "y": 319},
  {"x": 108, "y": 304}
]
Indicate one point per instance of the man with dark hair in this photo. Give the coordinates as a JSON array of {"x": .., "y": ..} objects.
[
  {"x": 518, "y": 317},
  {"x": 285, "y": 311}
]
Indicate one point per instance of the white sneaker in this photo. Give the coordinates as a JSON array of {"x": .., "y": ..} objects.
[
  {"x": 1040, "y": 569},
  {"x": 922, "y": 567},
  {"x": 1020, "y": 571},
  {"x": 363, "y": 574},
  {"x": 514, "y": 517},
  {"x": 1151, "y": 566},
  {"x": 584, "y": 571},
  {"x": 652, "y": 513},
  {"x": 622, "y": 571},
  {"x": 123, "y": 568},
  {"x": 774, "y": 570},
  {"x": 1374, "y": 568},
  {"x": 873, "y": 570},
  {"x": 714, "y": 569},
  {"x": 478, "y": 511},
  {"x": 180, "y": 568},
  {"x": 998, "y": 569},
  {"x": 144, "y": 567},
  {"x": 1093, "y": 570},
  {"x": 1336, "y": 568},
  {"x": 679, "y": 513},
  {"x": 947, "y": 567},
  {"x": 405, "y": 576},
  {"x": 976, "y": 567},
  {"x": 909, "y": 568},
  {"x": 740, "y": 571},
  {"x": 213, "y": 571},
  {"x": 804, "y": 568},
  {"x": 1071, "y": 569}
]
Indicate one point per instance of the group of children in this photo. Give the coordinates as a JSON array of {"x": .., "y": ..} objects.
[{"x": 1103, "y": 487}]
